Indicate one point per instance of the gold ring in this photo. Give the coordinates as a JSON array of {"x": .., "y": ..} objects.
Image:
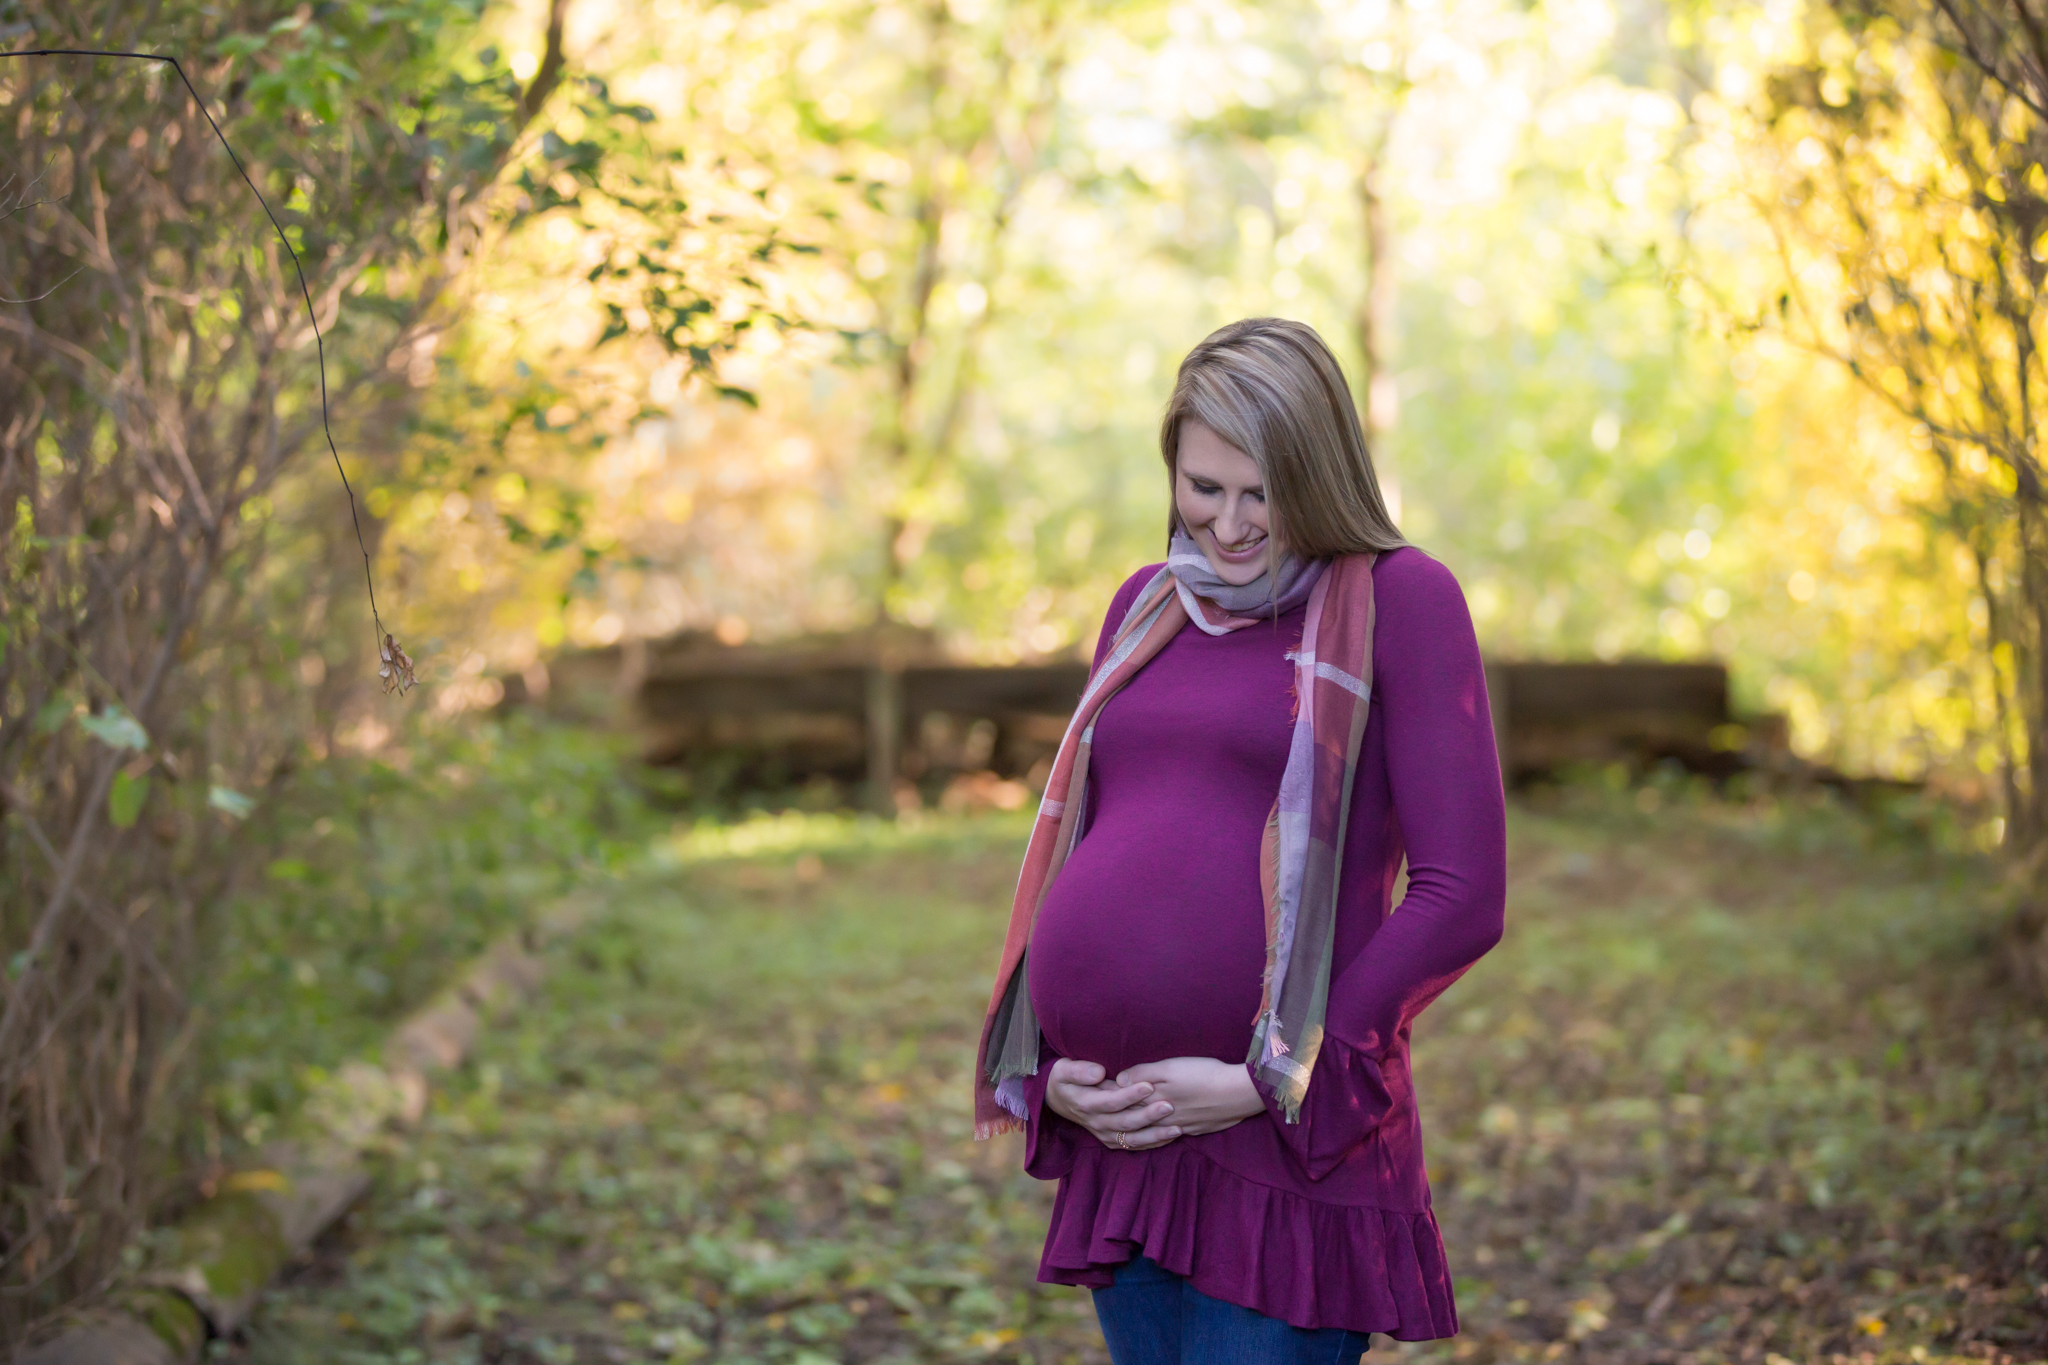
[{"x": 1123, "y": 1142}]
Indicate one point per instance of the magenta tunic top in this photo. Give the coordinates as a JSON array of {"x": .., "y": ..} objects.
[{"x": 1151, "y": 944}]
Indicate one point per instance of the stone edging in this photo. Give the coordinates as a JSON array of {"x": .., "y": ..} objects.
[{"x": 215, "y": 1263}]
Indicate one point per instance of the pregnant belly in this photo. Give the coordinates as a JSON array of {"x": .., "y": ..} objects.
[{"x": 1149, "y": 957}]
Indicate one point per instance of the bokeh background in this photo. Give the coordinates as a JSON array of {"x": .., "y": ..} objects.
[{"x": 1685, "y": 332}]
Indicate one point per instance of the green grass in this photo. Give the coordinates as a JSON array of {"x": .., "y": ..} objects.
[{"x": 1742, "y": 1083}]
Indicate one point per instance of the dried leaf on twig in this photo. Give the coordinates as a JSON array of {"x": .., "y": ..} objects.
[{"x": 396, "y": 670}]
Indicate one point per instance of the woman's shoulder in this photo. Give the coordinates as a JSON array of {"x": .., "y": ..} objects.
[
  {"x": 1411, "y": 586},
  {"x": 1120, "y": 601},
  {"x": 1411, "y": 570}
]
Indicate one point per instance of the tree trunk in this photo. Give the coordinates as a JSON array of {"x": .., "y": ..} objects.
[{"x": 1375, "y": 323}]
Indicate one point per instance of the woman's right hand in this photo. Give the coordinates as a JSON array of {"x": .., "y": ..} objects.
[{"x": 1123, "y": 1117}]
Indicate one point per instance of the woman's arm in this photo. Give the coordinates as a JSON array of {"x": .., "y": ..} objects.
[
  {"x": 1445, "y": 776},
  {"x": 1429, "y": 696}
]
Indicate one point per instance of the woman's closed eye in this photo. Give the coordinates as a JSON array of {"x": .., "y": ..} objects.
[{"x": 1210, "y": 490}]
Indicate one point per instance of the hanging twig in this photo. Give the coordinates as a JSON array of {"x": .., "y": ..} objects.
[{"x": 395, "y": 667}]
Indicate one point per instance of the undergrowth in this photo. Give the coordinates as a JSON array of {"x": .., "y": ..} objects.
[
  {"x": 1743, "y": 1083},
  {"x": 378, "y": 877}
]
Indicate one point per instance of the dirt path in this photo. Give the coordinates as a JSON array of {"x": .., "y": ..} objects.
[{"x": 1738, "y": 1087}]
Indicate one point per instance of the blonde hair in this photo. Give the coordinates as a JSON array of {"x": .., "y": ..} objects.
[{"x": 1271, "y": 388}]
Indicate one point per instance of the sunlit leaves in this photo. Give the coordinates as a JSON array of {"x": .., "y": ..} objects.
[
  {"x": 1887, "y": 175},
  {"x": 116, "y": 728},
  {"x": 230, "y": 802}
]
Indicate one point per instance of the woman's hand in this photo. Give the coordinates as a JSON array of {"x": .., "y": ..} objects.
[
  {"x": 1125, "y": 1117},
  {"x": 1203, "y": 1094}
]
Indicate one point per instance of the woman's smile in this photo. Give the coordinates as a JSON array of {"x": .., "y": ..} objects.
[{"x": 1245, "y": 551}]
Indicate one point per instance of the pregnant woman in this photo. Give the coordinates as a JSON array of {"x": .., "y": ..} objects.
[{"x": 1202, "y": 1012}]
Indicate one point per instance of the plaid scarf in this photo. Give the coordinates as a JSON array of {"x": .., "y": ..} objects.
[{"x": 1300, "y": 854}]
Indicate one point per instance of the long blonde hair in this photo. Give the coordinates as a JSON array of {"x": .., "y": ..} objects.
[{"x": 1271, "y": 388}]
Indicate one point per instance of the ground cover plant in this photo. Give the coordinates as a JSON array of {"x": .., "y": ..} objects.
[
  {"x": 376, "y": 877},
  {"x": 1742, "y": 1083}
]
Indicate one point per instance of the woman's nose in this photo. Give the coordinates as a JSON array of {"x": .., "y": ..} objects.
[{"x": 1229, "y": 524}]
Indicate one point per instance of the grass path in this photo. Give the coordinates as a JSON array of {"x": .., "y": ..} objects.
[{"x": 1738, "y": 1086}]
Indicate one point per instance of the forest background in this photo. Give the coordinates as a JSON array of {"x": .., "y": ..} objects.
[{"x": 1681, "y": 329}]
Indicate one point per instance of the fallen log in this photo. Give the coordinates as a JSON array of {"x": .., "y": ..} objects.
[{"x": 211, "y": 1267}]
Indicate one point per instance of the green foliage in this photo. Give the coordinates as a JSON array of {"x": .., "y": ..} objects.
[
  {"x": 1707, "y": 1098},
  {"x": 171, "y": 518},
  {"x": 380, "y": 877}
]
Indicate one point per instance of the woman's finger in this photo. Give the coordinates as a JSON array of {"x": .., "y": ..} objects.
[
  {"x": 1096, "y": 1100},
  {"x": 1078, "y": 1073},
  {"x": 1144, "y": 1139},
  {"x": 1130, "y": 1120}
]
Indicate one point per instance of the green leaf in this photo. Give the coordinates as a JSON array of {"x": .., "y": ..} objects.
[
  {"x": 53, "y": 713},
  {"x": 124, "y": 802},
  {"x": 288, "y": 870},
  {"x": 230, "y": 801},
  {"x": 115, "y": 728}
]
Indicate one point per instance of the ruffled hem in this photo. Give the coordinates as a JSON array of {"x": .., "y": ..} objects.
[{"x": 1314, "y": 1265}]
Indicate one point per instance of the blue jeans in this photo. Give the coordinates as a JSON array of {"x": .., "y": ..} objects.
[{"x": 1152, "y": 1316}]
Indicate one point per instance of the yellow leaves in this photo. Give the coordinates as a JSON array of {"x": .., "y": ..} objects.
[
  {"x": 1871, "y": 1325},
  {"x": 1588, "y": 1315}
]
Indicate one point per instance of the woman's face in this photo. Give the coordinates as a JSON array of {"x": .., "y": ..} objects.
[{"x": 1221, "y": 497}]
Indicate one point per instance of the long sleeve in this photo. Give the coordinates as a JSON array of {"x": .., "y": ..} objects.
[
  {"x": 1443, "y": 774},
  {"x": 1049, "y": 1140}
]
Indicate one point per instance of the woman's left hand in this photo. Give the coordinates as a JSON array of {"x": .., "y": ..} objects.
[{"x": 1207, "y": 1095}]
